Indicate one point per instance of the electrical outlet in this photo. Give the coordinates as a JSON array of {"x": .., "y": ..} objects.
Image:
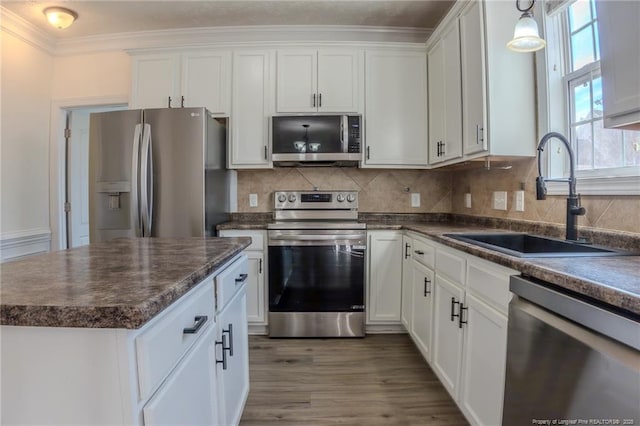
[
  {"x": 415, "y": 199},
  {"x": 500, "y": 200},
  {"x": 518, "y": 200},
  {"x": 253, "y": 200},
  {"x": 467, "y": 200}
]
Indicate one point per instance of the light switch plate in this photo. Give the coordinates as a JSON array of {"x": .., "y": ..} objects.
[
  {"x": 415, "y": 199},
  {"x": 500, "y": 200},
  {"x": 467, "y": 200},
  {"x": 253, "y": 200},
  {"x": 518, "y": 200}
]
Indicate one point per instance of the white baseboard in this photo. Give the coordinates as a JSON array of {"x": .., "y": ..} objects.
[
  {"x": 16, "y": 245},
  {"x": 384, "y": 329}
]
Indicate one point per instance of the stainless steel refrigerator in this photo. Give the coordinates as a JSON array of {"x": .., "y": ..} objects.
[{"x": 157, "y": 173}]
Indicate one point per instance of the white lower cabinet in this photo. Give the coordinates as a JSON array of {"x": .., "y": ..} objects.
[
  {"x": 188, "y": 397},
  {"x": 422, "y": 312},
  {"x": 384, "y": 276},
  {"x": 447, "y": 334},
  {"x": 459, "y": 306},
  {"x": 232, "y": 358},
  {"x": 483, "y": 363},
  {"x": 407, "y": 283},
  {"x": 256, "y": 282}
]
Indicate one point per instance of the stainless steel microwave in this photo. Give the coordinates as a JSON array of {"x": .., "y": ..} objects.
[{"x": 316, "y": 140}]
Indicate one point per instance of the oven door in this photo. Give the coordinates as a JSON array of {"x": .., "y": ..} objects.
[{"x": 316, "y": 270}]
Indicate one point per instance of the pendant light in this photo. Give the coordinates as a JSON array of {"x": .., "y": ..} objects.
[
  {"x": 60, "y": 17},
  {"x": 526, "y": 37}
]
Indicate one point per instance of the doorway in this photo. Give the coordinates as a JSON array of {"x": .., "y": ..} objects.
[{"x": 76, "y": 205}]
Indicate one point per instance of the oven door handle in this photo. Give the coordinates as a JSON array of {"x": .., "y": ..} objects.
[{"x": 315, "y": 237}]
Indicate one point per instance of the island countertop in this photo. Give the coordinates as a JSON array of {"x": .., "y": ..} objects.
[{"x": 117, "y": 284}]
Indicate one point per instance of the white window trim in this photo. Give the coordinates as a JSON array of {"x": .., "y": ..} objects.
[{"x": 615, "y": 181}]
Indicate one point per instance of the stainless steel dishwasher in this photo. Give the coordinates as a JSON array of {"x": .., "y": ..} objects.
[{"x": 569, "y": 361}]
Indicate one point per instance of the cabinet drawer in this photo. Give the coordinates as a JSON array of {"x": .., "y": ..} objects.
[
  {"x": 424, "y": 253},
  {"x": 161, "y": 346},
  {"x": 490, "y": 283},
  {"x": 230, "y": 280},
  {"x": 451, "y": 265},
  {"x": 257, "y": 237}
]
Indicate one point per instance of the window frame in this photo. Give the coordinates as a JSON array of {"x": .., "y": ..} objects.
[{"x": 555, "y": 111}]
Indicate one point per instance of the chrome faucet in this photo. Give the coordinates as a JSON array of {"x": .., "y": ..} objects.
[{"x": 573, "y": 201}]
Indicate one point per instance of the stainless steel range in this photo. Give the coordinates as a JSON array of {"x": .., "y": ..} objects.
[{"x": 317, "y": 253}]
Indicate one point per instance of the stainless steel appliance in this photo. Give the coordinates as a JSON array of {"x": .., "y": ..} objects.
[
  {"x": 317, "y": 252},
  {"x": 569, "y": 360},
  {"x": 157, "y": 173},
  {"x": 315, "y": 140}
]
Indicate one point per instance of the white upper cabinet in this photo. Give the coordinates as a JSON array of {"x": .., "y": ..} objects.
[
  {"x": 156, "y": 79},
  {"x": 325, "y": 80},
  {"x": 193, "y": 79},
  {"x": 445, "y": 96},
  {"x": 498, "y": 85},
  {"x": 252, "y": 82},
  {"x": 206, "y": 80},
  {"x": 620, "y": 62},
  {"x": 396, "y": 109}
]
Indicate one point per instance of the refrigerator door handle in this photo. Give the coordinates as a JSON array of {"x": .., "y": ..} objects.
[
  {"x": 135, "y": 174},
  {"x": 146, "y": 191}
]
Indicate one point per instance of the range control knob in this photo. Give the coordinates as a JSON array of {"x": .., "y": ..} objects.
[
  {"x": 292, "y": 198},
  {"x": 351, "y": 198},
  {"x": 282, "y": 198},
  {"x": 340, "y": 198}
]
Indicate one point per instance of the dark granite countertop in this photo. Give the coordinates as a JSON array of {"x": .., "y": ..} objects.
[
  {"x": 613, "y": 280},
  {"x": 117, "y": 284}
]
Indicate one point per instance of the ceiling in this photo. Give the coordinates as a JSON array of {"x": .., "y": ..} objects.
[{"x": 121, "y": 16}]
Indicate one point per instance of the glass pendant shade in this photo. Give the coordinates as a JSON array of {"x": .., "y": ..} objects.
[
  {"x": 60, "y": 17},
  {"x": 526, "y": 37}
]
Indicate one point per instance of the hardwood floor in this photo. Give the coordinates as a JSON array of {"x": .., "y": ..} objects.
[{"x": 378, "y": 380}]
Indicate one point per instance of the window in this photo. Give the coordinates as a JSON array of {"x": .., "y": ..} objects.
[{"x": 599, "y": 151}]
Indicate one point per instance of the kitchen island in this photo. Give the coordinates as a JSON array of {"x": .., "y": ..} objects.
[{"x": 125, "y": 332}]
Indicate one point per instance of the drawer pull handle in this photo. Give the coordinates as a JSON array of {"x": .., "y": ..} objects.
[
  {"x": 243, "y": 278},
  {"x": 197, "y": 325},
  {"x": 407, "y": 247},
  {"x": 222, "y": 342},
  {"x": 230, "y": 347},
  {"x": 419, "y": 252}
]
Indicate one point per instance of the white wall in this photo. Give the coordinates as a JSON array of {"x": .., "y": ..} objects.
[
  {"x": 26, "y": 95},
  {"x": 100, "y": 75}
]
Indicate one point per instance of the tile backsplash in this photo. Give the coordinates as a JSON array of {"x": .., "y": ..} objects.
[
  {"x": 620, "y": 213},
  {"x": 385, "y": 191},
  {"x": 381, "y": 191}
]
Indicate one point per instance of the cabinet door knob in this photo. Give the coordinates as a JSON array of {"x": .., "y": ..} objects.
[
  {"x": 229, "y": 331},
  {"x": 314, "y": 100},
  {"x": 407, "y": 247},
  {"x": 454, "y": 302},
  {"x": 460, "y": 320},
  {"x": 368, "y": 153},
  {"x": 223, "y": 343},
  {"x": 169, "y": 102},
  {"x": 320, "y": 100},
  {"x": 181, "y": 101},
  {"x": 427, "y": 291}
]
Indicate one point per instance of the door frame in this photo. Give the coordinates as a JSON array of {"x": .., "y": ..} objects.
[{"x": 58, "y": 161}]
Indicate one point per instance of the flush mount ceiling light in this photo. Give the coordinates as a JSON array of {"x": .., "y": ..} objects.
[
  {"x": 525, "y": 36},
  {"x": 60, "y": 17}
]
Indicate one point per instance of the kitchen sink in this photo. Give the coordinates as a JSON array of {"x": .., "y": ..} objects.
[{"x": 526, "y": 245}]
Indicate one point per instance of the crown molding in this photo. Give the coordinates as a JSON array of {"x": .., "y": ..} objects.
[
  {"x": 209, "y": 36},
  {"x": 25, "y": 31}
]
